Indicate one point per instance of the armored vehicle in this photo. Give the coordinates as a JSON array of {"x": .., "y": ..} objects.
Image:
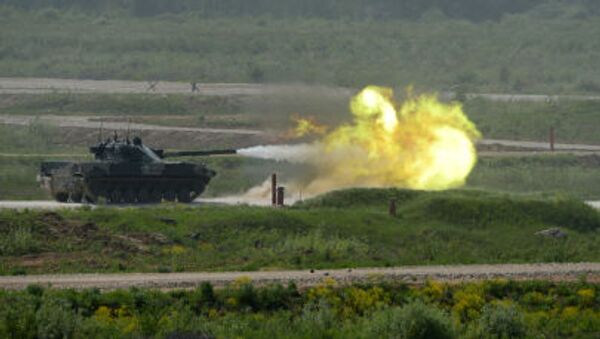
[{"x": 127, "y": 171}]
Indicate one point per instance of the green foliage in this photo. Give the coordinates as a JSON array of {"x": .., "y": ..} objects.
[
  {"x": 244, "y": 310},
  {"x": 55, "y": 319},
  {"x": 502, "y": 320},
  {"x": 17, "y": 316},
  {"x": 413, "y": 320}
]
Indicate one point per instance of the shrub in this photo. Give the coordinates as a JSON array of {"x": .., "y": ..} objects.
[
  {"x": 502, "y": 320},
  {"x": 318, "y": 320},
  {"x": 17, "y": 316},
  {"x": 414, "y": 320},
  {"x": 55, "y": 319},
  {"x": 468, "y": 303}
]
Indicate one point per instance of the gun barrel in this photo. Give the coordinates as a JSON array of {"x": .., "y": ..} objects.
[{"x": 199, "y": 153}]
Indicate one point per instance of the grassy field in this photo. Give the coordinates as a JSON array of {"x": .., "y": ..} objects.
[
  {"x": 548, "y": 49},
  {"x": 573, "y": 121},
  {"x": 341, "y": 229},
  {"x": 566, "y": 174},
  {"x": 494, "y": 309}
]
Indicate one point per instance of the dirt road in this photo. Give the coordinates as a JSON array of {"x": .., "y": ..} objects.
[
  {"x": 412, "y": 275},
  {"x": 538, "y": 145},
  {"x": 46, "y": 85},
  {"x": 95, "y": 123}
]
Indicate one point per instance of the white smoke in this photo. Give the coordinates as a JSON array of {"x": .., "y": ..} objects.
[
  {"x": 261, "y": 194},
  {"x": 296, "y": 153}
]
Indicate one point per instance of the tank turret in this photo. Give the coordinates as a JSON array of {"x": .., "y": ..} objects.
[{"x": 127, "y": 171}]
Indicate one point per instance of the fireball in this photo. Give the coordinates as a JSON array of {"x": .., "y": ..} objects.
[{"x": 420, "y": 144}]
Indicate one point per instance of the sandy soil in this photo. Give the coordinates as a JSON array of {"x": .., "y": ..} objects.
[{"x": 412, "y": 275}]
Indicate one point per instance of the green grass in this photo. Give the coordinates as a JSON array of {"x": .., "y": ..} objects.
[
  {"x": 117, "y": 104},
  {"x": 573, "y": 121},
  {"x": 547, "y": 49},
  {"x": 492, "y": 309},
  {"x": 566, "y": 174},
  {"x": 341, "y": 229}
]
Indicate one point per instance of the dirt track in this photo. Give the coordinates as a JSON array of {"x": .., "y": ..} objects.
[
  {"x": 46, "y": 85},
  {"x": 411, "y": 275}
]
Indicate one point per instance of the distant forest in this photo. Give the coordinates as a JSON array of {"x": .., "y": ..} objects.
[{"x": 474, "y": 10}]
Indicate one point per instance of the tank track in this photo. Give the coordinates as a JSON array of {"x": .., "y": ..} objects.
[{"x": 135, "y": 190}]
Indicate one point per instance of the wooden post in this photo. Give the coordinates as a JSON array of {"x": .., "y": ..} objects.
[
  {"x": 274, "y": 189},
  {"x": 280, "y": 196},
  {"x": 552, "y": 138},
  {"x": 392, "y": 209}
]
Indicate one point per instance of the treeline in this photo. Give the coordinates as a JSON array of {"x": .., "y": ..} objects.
[{"x": 476, "y": 10}]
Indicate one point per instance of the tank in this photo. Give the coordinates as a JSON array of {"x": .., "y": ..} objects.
[{"x": 125, "y": 171}]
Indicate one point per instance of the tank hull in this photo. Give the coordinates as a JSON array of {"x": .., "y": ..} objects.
[{"x": 124, "y": 182}]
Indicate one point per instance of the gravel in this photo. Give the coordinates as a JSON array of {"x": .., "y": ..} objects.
[{"x": 305, "y": 278}]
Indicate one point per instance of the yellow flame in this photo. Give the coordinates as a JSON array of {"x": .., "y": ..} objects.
[
  {"x": 422, "y": 144},
  {"x": 306, "y": 126}
]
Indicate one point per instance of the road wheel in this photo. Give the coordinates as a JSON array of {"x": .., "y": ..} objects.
[
  {"x": 155, "y": 195},
  {"x": 76, "y": 197},
  {"x": 129, "y": 196},
  {"x": 90, "y": 199},
  {"x": 184, "y": 195},
  {"x": 169, "y": 195},
  {"x": 143, "y": 196},
  {"x": 115, "y": 196},
  {"x": 61, "y": 197}
]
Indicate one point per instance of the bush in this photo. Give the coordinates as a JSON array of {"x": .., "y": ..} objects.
[
  {"x": 17, "y": 316},
  {"x": 414, "y": 320},
  {"x": 55, "y": 319},
  {"x": 502, "y": 321}
]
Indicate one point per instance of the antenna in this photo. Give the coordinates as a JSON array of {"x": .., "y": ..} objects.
[
  {"x": 100, "y": 132},
  {"x": 128, "y": 127}
]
